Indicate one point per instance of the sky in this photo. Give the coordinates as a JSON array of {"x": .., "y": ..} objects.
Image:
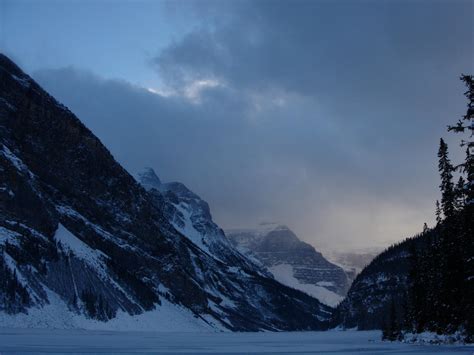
[{"x": 322, "y": 115}]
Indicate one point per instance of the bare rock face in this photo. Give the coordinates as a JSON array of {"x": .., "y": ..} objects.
[
  {"x": 293, "y": 262},
  {"x": 77, "y": 230}
]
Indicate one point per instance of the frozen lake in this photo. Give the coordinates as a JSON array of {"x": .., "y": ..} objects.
[{"x": 100, "y": 342}]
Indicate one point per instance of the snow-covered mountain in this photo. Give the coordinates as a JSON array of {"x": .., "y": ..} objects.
[
  {"x": 292, "y": 262},
  {"x": 191, "y": 216},
  {"x": 82, "y": 244}
]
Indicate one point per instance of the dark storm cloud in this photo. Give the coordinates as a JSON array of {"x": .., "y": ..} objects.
[
  {"x": 349, "y": 55},
  {"x": 322, "y": 115},
  {"x": 316, "y": 46}
]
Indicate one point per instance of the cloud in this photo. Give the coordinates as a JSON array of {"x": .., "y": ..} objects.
[
  {"x": 364, "y": 62},
  {"x": 321, "y": 115}
]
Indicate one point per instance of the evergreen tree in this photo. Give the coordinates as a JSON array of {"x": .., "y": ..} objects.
[
  {"x": 466, "y": 216},
  {"x": 417, "y": 296},
  {"x": 466, "y": 125},
  {"x": 446, "y": 172},
  {"x": 438, "y": 213},
  {"x": 460, "y": 194},
  {"x": 441, "y": 275},
  {"x": 469, "y": 170},
  {"x": 392, "y": 330}
]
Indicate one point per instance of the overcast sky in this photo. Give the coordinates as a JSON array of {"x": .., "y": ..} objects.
[{"x": 322, "y": 115}]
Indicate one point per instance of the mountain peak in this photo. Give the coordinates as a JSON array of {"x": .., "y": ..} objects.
[
  {"x": 148, "y": 178},
  {"x": 292, "y": 261}
]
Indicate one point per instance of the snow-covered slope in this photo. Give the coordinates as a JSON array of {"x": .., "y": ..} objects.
[
  {"x": 81, "y": 239},
  {"x": 166, "y": 317},
  {"x": 292, "y": 262},
  {"x": 191, "y": 216},
  {"x": 285, "y": 273}
]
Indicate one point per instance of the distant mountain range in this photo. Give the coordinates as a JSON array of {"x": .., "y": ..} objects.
[
  {"x": 83, "y": 244},
  {"x": 292, "y": 261}
]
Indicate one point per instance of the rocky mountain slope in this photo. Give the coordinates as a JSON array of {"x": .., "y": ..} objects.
[
  {"x": 293, "y": 262},
  {"x": 78, "y": 234},
  {"x": 423, "y": 283},
  {"x": 384, "y": 279},
  {"x": 191, "y": 216}
]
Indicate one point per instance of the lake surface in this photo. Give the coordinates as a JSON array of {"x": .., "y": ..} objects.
[{"x": 27, "y": 341}]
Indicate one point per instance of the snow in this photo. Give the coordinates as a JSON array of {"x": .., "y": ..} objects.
[
  {"x": 325, "y": 283},
  {"x": 100, "y": 342},
  {"x": 12, "y": 265},
  {"x": 9, "y": 236},
  {"x": 23, "y": 81},
  {"x": 148, "y": 179},
  {"x": 68, "y": 211},
  {"x": 10, "y": 106},
  {"x": 188, "y": 229},
  {"x": 166, "y": 317},
  {"x": 17, "y": 163},
  {"x": 24, "y": 226},
  {"x": 283, "y": 273},
  {"x": 80, "y": 249},
  {"x": 433, "y": 338},
  {"x": 8, "y": 191}
]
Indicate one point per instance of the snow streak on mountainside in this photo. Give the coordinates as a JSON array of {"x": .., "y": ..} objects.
[
  {"x": 293, "y": 262},
  {"x": 80, "y": 238}
]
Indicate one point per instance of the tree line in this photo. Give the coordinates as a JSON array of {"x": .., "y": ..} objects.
[{"x": 440, "y": 296}]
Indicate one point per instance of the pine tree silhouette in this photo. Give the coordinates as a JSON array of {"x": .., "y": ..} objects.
[{"x": 446, "y": 172}]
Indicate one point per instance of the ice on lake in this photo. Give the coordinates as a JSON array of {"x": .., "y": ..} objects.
[{"x": 49, "y": 341}]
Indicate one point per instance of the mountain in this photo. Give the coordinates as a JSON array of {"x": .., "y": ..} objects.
[
  {"x": 425, "y": 283},
  {"x": 292, "y": 262},
  {"x": 387, "y": 277},
  {"x": 82, "y": 244},
  {"x": 191, "y": 216}
]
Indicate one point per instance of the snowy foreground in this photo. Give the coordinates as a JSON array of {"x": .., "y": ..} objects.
[{"x": 14, "y": 340}]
